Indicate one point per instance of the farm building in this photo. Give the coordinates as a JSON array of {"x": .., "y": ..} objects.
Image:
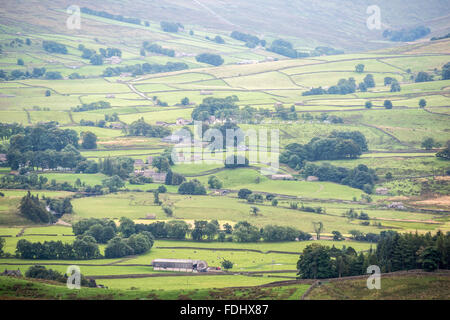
[
  {"x": 180, "y": 265},
  {"x": 282, "y": 177}
]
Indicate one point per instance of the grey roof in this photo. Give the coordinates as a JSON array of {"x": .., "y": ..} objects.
[{"x": 175, "y": 260}]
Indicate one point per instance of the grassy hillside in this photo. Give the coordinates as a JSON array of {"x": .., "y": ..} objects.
[
  {"x": 13, "y": 288},
  {"x": 336, "y": 23},
  {"x": 404, "y": 287}
]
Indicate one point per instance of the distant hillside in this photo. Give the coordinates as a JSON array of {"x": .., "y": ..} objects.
[{"x": 337, "y": 23}]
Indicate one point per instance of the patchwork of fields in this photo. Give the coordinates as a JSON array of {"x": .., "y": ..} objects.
[{"x": 409, "y": 173}]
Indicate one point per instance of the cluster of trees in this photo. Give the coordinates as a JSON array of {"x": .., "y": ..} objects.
[
  {"x": 291, "y": 114},
  {"x": 83, "y": 248},
  {"x": 92, "y": 106},
  {"x": 395, "y": 85},
  {"x": 59, "y": 206},
  {"x": 286, "y": 49},
  {"x": 251, "y": 41},
  {"x": 271, "y": 233},
  {"x": 344, "y": 86},
  {"x": 67, "y": 158},
  {"x": 32, "y": 180},
  {"x": 135, "y": 244},
  {"x": 430, "y": 143},
  {"x": 145, "y": 68},
  {"x": 360, "y": 177},
  {"x": 219, "y": 40},
  {"x": 54, "y": 47},
  {"x": 9, "y": 129},
  {"x": 412, "y": 251},
  {"x": 367, "y": 237},
  {"x": 33, "y": 209},
  {"x": 97, "y": 59},
  {"x": 156, "y": 48},
  {"x": 352, "y": 214},
  {"x": 171, "y": 26},
  {"x": 139, "y": 180},
  {"x": 44, "y": 146},
  {"x": 193, "y": 187},
  {"x": 89, "y": 140},
  {"x": 107, "y": 15},
  {"x": 328, "y": 51},
  {"x": 423, "y": 76},
  {"x": 210, "y": 58},
  {"x": 338, "y": 145},
  {"x": 214, "y": 182},
  {"x": 173, "y": 178},
  {"x": 446, "y": 71},
  {"x": 117, "y": 166},
  {"x": 319, "y": 262},
  {"x": 102, "y": 230},
  {"x": 405, "y": 35},
  {"x": 142, "y": 128},
  {"x": 42, "y": 137},
  {"x": 2, "y": 244},
  {"x": 121, "y": 241},
  {"x": 394, "y": 252},
  {"x": 445, "y": 153},
  {"x": 220, "y": 108},
  {"x": 286, "y": 113}
]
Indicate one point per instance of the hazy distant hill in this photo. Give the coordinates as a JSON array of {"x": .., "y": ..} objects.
[{"x": 339, "y": 23}]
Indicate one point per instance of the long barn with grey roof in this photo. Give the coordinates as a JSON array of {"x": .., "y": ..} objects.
[{"x": 180, "y": 265}]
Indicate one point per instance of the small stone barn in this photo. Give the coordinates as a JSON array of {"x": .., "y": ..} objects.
[{"x": 180, "y": 265}]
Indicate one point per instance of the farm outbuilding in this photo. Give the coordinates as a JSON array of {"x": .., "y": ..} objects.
[{"x": 180, "y": 265}]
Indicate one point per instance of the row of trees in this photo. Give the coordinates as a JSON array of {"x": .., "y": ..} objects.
[
  {"x": 405, "y": 35},
  {"x": 83, "y": 248},
  {"x": 107, "y": 15},
  {"x": 251, "y": 41},
  {"x": 92, "y": 106},
  {"x": 167, "y": 26},
  {"x": 36, "y": 73},
  {"x": 145, "y": 68},
  {"x": 41, "y": 272},
  {"x": 54, "y": 47},
  {"x": 203, "y": 230},
  {"x": 156, "y": 48},
  {"x": 344, "y": 86}
]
